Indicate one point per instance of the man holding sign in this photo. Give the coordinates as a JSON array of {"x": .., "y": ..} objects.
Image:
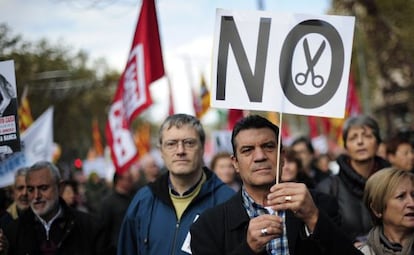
[{"x": 264, "y": 217}]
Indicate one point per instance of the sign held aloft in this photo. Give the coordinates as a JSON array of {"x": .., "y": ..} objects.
[
  {"x": 291, "y": 63},
  {"x": 9, "y": 125}
]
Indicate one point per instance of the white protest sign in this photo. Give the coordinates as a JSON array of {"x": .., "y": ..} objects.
[
  {"x": 37, "y": 143},
  {"x": 291, "y": 63},
  {"x": 9, "y": 127}
]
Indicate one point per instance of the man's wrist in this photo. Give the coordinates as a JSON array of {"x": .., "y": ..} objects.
[{"x": 311, "y": 222}]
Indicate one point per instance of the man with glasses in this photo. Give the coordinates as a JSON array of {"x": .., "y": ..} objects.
[{"x": 161, "y": 213}]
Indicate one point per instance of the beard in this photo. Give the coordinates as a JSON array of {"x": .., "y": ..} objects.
[{"x": 44, "y": 208}]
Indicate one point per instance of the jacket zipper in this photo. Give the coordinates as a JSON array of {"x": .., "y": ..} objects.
[{"x": 177, "y": 226}]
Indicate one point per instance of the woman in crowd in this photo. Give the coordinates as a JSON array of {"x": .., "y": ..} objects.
[
  {"x": 222, "y": 165},
  {"x": 293, "y": 171},
  {"x": 389, "y": 196},
  {"x": 70, "y": 193},
  {"x": 400, "y": 152},
  {"x": 361, "y": 137}
]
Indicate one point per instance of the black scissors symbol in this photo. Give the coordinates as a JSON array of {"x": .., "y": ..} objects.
[{"x": 317, "y": 80}]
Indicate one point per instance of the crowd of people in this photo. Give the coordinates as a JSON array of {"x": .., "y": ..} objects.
[{"x": 240, "y": 204}]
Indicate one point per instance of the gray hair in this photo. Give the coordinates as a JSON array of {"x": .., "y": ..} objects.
[
  {"x": 179, "y": 120},
  {"x": 20, "y": 172},
  {"x": 361, "y": 121},
  {"x": 54, "y": 171}
]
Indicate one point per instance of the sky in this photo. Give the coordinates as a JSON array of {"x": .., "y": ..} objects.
[{"x": 104, "y": 29}]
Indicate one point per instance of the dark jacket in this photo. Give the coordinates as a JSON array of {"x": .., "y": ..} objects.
[
  {"x": 348, "y": 188},
  {"x": 223, "y": 230},
  {"x": 150, "y": 225},
  {"x": 80, "y": 234},
  {"x": 113, "y": 209}
]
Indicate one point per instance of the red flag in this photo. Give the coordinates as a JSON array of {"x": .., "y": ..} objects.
[
  {"x": 144, "y": 65},
  {"x": 313, "y": 126},
  {"x": 274, "y": 117},
  {"x": 233, "y": 116},
  {"x": 353, "y": 107}
]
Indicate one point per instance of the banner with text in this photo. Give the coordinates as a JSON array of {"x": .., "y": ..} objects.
[
  {"x": 37, "y": 144},
  {"x": 144, "y": 66},
  {"x": 9, "y": 125}
]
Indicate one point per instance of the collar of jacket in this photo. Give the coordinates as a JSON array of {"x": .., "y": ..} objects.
[
  {"x": 160, "y": 187},
  {"x": 354, "y": 181},
  {"x": 66, "y": 212}
]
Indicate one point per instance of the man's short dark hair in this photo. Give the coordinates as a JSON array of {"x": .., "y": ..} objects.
[
  {"x": 249, "y": 122},
  {"x": 306, "y": 141},
  {"x": 394, "y": 142}
]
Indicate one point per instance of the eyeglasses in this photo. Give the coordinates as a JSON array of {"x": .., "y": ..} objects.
[{"x": 188, "y": 144}]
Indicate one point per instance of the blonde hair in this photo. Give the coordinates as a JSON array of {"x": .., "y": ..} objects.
[{"x": 380, "y": 187}]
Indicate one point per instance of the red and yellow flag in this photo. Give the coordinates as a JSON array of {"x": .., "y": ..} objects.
[
  {"x": 202, "y": 103},
  {"x": 24, "y": 111},
  {"x": 142, "y": 138}
]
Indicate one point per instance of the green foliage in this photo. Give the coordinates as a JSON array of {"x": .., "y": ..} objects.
[
  {"x": 383, "y": 58},
  {"x": 57, "y": 76}
]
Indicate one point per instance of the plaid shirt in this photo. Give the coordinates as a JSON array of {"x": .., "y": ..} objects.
[{"x": 275, "y": 246}]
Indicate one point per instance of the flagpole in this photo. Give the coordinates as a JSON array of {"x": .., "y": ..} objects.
[{"x": 279, "y": 147}]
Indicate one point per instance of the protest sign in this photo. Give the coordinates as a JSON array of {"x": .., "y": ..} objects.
[
  {"x": 37, "y": 145},
  {"x": 291, "y": 63},
  {"x": 9, "y": 126}
]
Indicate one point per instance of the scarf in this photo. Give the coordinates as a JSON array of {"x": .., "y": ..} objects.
[{"x": 382, "y": 246}]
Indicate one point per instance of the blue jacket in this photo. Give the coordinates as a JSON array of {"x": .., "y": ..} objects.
[{"x": 151, "y": 226}]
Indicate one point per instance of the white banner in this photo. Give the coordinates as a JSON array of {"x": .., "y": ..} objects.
[
  {"x": 37, "y": 145},
  {"x": 38, "y": 138},
  {"x": 292, "y": 63}
]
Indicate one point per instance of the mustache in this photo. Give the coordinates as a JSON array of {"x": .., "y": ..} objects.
[{"x": 261, "y": 166}]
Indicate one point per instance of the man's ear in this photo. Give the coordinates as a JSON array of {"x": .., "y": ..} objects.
[{"x": 235, "y": 163}]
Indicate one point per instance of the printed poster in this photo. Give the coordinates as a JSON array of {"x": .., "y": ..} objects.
[{"x": 9, "y": 126}]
